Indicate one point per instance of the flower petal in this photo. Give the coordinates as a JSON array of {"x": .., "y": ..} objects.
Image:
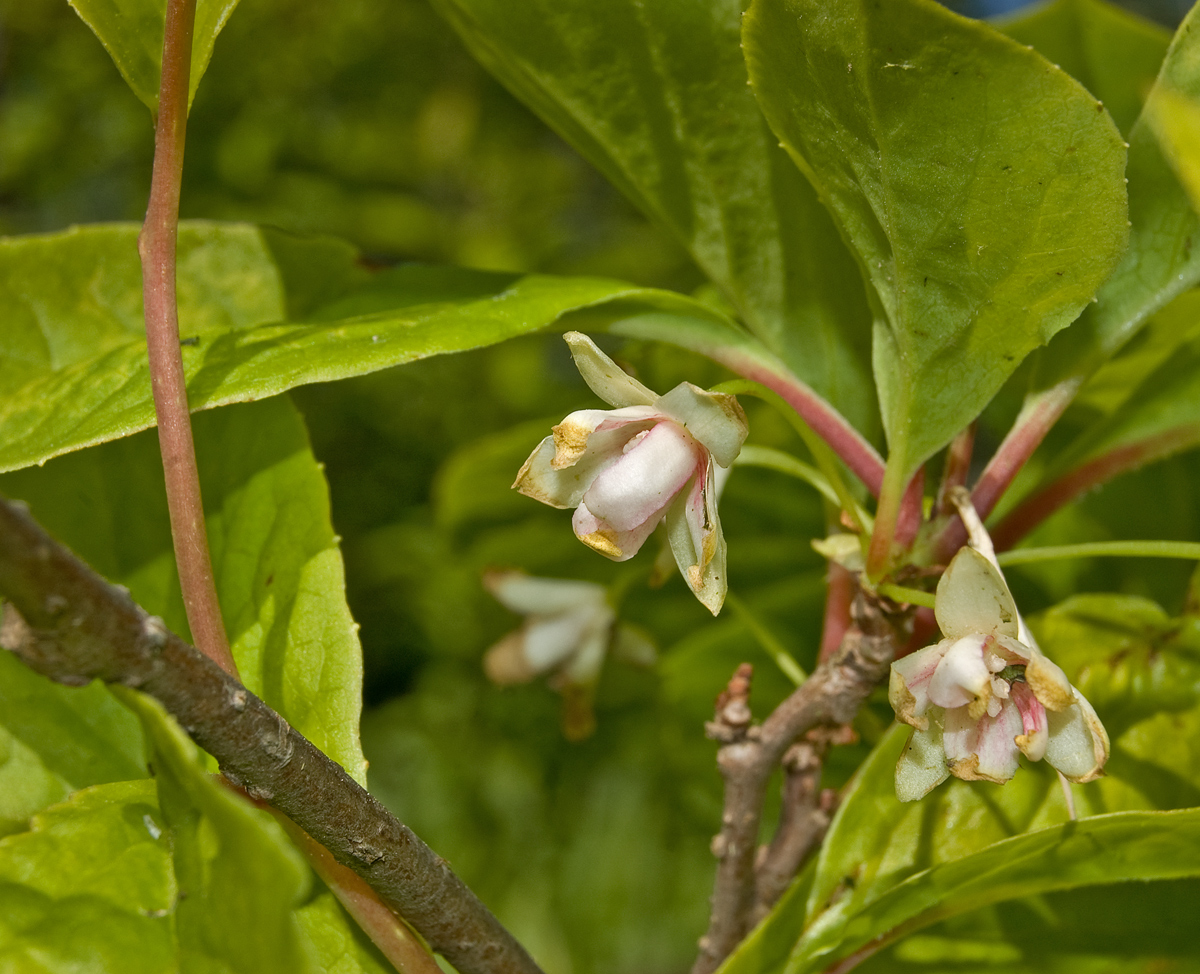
[
  {"x": 715, "y": 419},
  {"x": 600, "y": 536},
  {"x": 505, "y": 663},
  {"x": 599, "y": 431},
  {"x": 543, "y": 596},
  {"x": 644, "y": 479},
  {"x": 559, "y": 488},
  {"x": 549, "y": 641},
  {"x": 983, "y": 749},
  {"x": 697, "y": 542},
  {"x": 972, "y": 597},
  {"x": 604, "y": 377},
  {"x": 584, "y": 665},
  {"x": 1048, "y": 682},
  {"x": 1078, "y": 744},
  {"x": 908, "y": 685},
  {"x": 922, "y": 766},
  {"x": 1035, "y": 733},
  {"x": 962, "y": 677}
]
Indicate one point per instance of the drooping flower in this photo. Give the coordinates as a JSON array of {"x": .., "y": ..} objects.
[
  {"x": 652, "y": 458},
  {"x": 569, "y": 629},
  {"x": 986, "y": 693}
]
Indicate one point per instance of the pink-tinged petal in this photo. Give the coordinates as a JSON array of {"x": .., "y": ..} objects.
[
  {"x": 908, "y": 687},
  {"x": 962, "y": 676},
  {"x": 983, "y": 749},
  {"x": 644, "y": 480},
  {"x": 560, "y": 488},
  {"x": 1034, "y": 731},
  {"x": 714, "y": 419},
  {"x": 1078, "y": 745},
  {"x": 599, "y": 432},
  {"x": 1048, "y": 682},
  {"x": 542, "y": 596},
  {"x": 972, "y": 597},
  {"x": 922, "y": 766},
  {"x": 604, "y": 377},
  {"x": 1012, "y": 651},
  {"x": 697, "y": 542},
  {"x": 600, "y": 536}
]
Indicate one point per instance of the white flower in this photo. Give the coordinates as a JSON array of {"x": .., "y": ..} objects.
[
  {"x": 626, "y": 469},
  {"x": 986, "y": 693},
  {"x": 569, "y": 629}
]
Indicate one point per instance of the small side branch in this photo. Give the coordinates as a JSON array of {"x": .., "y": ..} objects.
[
  {"x": 156, "y": 245},
  {"x": 748, "y": 755},
  {"x": 804, "y": 816},
  {"x": 72, "y": 626}
]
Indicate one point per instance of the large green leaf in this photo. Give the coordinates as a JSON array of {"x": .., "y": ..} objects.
[
  {"x": 654, "y": 94},
  {"x": 1161, "y": 261},
  {"x": 239, "y": 878},
  {"x": 980, "y": 186},
  {"x": 132, "y": 32},
  {"x": 1104, "y": 849},
  {"x": 278, "y": 568},
  {"x": 90, "y": 886},
  {"x": 1111, "y": 52},
  {"x": 258, "y": 316}
]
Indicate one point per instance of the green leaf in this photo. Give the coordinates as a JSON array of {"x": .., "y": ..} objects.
[
  {"x": 1161, "y": 417},
  {"x": 73, "y": 369},
  {"x": 1111, "y": 52},
  {"x": 132, "y": 32},
  {"x": 1125, "y": 654},
  {"x": 336, "y": 942},
  {"x": 655, "y": 96},
  {"x": 1104, "y": 849},
  {"x": 89, "y": 886},
  {"x": 239, "y": 877},
  {"x": 278, "y": 568},
  {"x": 980, "y": 187},
  {"x": 1160, "y": 262},
  {"x": 80, "y": 735}
]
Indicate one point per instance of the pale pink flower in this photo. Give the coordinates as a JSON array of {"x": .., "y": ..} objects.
[
  {"x": 652, "y": 458},
  {"x": 569, "y": 629},
  {"x": 986, "y": 694}
]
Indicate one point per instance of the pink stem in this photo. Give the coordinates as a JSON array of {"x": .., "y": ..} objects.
[
  {"x": 859, "y": 456},
  {"x": 911, "y": 510},
  {"x": 156, "y": 245},
  {"x": 1038, "y": 415},
  {"x": 958, "y": 466},
  {"x": 838, "y": 597},
  {"x": 1033, "y": 510}
]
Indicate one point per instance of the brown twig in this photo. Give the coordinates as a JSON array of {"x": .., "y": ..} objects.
[
  {"x": 748, "y": 755},
  {"x": 73, "y": 626},
  {"x": 156, "y": 245},
  {"x": 804, "y": 815}
]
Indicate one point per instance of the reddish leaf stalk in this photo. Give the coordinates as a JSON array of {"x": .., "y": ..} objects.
[
  {"x": 156, "y": 245},
  {"x": 908, "y": 523},
  {"x": 859, "y": 456},
  {"x": 954, "y": 474},
  {"x": 1037, "y": 417},
  {"x": 1035, "y": 509},
  {"x": 838, "y": 597}
]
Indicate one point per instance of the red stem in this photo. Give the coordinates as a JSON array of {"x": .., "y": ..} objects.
[
  {"x": 1036, "y": 508},
  {"x": 859, "y": 456},
  {"x": 1037, "y": 416},
  {"x": 156, "y": 245},
  {"x": 958, "y": 466},
  {"x": 911, "y": 510},
  {"x": 837, "y": 610}
]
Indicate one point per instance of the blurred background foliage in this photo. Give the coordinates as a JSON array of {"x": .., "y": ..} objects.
[{"x": 367, "y": 120}]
